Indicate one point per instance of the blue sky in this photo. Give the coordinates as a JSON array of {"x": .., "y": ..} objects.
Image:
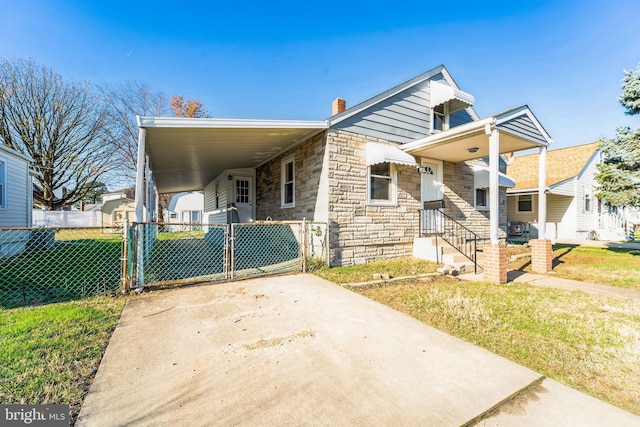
[{"x": 289, "y": 60}]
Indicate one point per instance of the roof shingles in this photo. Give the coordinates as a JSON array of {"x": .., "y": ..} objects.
[{"x": 562, "y": 164}]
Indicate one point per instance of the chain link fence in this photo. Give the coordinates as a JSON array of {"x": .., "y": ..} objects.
[
  {"x": 164, "y": 255},
  {"x": 43, "y": 265}
]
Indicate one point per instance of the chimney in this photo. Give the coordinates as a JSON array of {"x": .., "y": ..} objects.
[{"x": 338, "y": 106}]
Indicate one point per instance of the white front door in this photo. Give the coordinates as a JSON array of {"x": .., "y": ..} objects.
[
  {"x": 243, "y": 197},
  {"x": 430, "y": 190}
]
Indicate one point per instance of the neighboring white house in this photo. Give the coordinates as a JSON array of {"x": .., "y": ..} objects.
[
  {"x": 185, "y": 209},
  {"x": 573, "y": 211},
  {"x": 16, "y": 199},
  {"x": 16, "y": 189}
]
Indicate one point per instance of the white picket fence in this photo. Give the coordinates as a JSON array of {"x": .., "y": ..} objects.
[{"x": 42, "y": 218}]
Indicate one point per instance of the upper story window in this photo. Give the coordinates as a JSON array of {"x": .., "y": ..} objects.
[
  {"x": 382, "y": 181},
  {"x": 3, "y": 184},
  {"x": 525, "y": 203},
  {"x": 288, "y": 191},
  {"x": 440, "y": 118}
]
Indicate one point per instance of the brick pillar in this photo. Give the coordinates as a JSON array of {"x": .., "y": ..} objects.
[
  {"x": 541, "y": 255},
  {"x": 494, "y": 263}
]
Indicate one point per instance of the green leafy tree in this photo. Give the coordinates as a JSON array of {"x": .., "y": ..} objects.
[
  {"x": 94, "y": 192},
  {"x": 619, "y": 174}
]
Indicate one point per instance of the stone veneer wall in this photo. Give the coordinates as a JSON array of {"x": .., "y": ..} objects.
[
  {"x": 359, "y": 233},
  {"x": 459, "y": 194},
  {"x": 308, "y": 167}
]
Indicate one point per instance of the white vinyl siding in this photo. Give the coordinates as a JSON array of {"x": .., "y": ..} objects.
[{"x": 16, "y": 190}]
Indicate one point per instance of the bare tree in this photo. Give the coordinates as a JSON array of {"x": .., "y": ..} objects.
[
  {"x": 60, "y": 124},
  {"x": 124, "y": 102}
]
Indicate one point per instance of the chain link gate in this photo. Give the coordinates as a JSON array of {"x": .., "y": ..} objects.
[{"x": 162, "y": 254}]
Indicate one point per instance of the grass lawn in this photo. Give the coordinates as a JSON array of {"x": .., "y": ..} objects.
[
  {"x": 590, "y": 343},
  {"x": 399, "y": 267},
  {"x": 613, "y": 267},
  {"x": 49, "y": 354}
]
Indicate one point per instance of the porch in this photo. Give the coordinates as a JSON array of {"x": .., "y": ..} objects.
[{"x": 495, "y": 138}]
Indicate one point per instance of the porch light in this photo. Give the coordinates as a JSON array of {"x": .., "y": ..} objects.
[{"x": 472, "y": 149}]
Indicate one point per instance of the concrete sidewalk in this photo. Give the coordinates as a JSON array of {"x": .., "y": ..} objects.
[
  {"x": 297, "y": 350},
  {"x": 550, "y": 281},
  {"x": 600, "y": 243}
]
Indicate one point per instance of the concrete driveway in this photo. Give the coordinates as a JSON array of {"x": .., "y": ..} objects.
[{"x": 293, "y": 350}]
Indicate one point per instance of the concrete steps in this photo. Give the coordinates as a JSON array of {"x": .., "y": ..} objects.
[{"x": 442, "y": 252}]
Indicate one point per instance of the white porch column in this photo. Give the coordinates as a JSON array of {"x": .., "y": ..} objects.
[
  {"x": 542, "y": 195},
  {"x": 148, "y": 212},
  {"x": 140, "y": 171},
  {"x": 494, "y": 194},
  {"x": 139, "y": 203}
]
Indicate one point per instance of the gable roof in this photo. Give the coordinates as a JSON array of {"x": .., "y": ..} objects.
[
  {"x": 562, "y": 164},
  {"x": 358, "y": 108}
]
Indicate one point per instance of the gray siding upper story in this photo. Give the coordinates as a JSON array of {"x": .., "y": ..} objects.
[
  {"x": 403, "y": 117},
  {"x": 523, "y": 126}
]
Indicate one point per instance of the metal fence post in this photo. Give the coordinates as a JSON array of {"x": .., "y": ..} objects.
[
  {"x": 304, "y": 245},
  {"x": 124, "y": 280},
  {"x": 140, "y": 254}
]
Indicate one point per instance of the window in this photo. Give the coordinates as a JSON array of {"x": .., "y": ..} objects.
[
  {"x": 382, "y": 183},
  {"x": 525, "y": 203},
  {"x": 482, "y": 198},
  {"x": 242, "y": 191},
  {"x": 440, "y": 118},
  {"x": 288, "y": 179},
  {"x": 587, "y": 202},
  {"x": 3, "y": 184},
  {"x": 173, "y": 215}
]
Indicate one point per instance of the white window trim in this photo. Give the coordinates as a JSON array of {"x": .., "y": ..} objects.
[
  {"x": 518, "y": 203},
  {"x": 587, "y": 194},
  {"x": 3, "y": 181},
  {"x": 446, "y": 124},
  {"x": 394, "y": 187},
  {"x": 283, "y": 177},
  {"x": 475, "y": 202}
]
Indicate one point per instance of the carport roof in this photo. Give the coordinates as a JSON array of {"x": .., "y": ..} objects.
[{"x": 186, "y": 154}]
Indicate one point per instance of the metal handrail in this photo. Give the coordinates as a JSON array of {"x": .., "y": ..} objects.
[{"x": 437, "y": 223}]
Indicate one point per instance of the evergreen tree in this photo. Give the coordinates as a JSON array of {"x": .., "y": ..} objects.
[{"x": 619, "y": 175}]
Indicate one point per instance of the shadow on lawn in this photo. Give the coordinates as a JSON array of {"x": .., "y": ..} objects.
[{"x": 557, "y": 259}]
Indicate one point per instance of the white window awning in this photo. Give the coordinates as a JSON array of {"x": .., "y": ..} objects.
[
  {"x": 481, "y": 179},
  {"x": 441, "y": 93},
  {"x": 380, "y": 153}
]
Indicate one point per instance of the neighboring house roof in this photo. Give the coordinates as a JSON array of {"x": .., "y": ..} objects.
[
  {"x": 562, "y": 164},
  {"x": 15, "y": 153}
]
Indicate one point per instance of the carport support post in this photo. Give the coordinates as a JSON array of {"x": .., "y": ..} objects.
[
  {"x": 139, "y": 204},
  {"x": 495, "y": 254},
  {"x": 541, "y": 250}
]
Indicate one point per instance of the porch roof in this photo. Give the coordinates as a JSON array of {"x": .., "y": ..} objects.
[
  {"x": 518, "y": 128},
  {"x": 186, "y": 154}
]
